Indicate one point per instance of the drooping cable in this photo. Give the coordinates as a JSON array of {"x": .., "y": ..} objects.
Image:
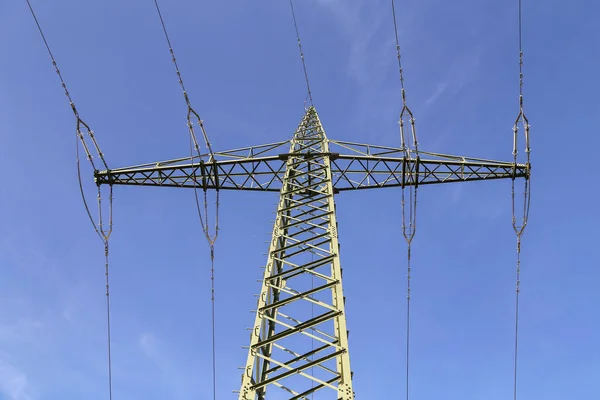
[
  {"x": 410, "y": 172},
  {"x": 211, "y": 237},
  {"x": 519, "y": 225},
  {"x": 83, "y": 130},
  {"x": 309, "y": 94}
]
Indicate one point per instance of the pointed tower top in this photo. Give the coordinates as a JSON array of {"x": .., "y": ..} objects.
[{"x": 310, "y": 127}]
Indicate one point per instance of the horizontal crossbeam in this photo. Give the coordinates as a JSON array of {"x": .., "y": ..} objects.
[{"x": 359, "y": 167}]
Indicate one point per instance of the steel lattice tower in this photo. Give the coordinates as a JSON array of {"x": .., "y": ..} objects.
[
  {"x": 301, "y": 301},
  {"x": 299, "y": 341}
]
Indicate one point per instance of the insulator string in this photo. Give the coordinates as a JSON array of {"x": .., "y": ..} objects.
[
  {"x": 108, "y": 331},
  {"x": 193, "y": 116},
  {"x": 519, "y": 223},
  {"x": 83, "y": 130},
  {"x": 213, "y": 330},
  {"x": 401, "y": 71},
  {"x": 411, "y": 179}
]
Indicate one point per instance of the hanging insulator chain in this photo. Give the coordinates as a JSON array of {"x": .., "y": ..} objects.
[
  {"x": 193, "y": 116},
  {"x": 211, "y": 237},
  {"x": 400, "y": 70},
  {"x": 405, "y": 110},
  {"x": 81, "y": 125},
  {"x": 102, "y": 229},
  {"x": 411, "y": 178},
  {"x": 108, "y": 330},
  {"x": 521, "y": 122},
  {"x": 191, "y": 112},
  {"x": 212, "y": 293},
  {"x": 519, "y": 222},
  {"x": 408, "y": 277},
  {"x": 104, "y": 234},
  {"x": 82, "y": 130},
  {"x": 413, "y": 133},
  {"x": 409, "y": 230}
]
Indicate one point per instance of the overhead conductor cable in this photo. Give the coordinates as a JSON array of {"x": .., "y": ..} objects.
[
  {"x": 309, "y": 94},
  {"x": 410, "y": 177},
  {"x": 211, "y": 237},
  {"x": 519, "y": 226},
  {"x": 104, "y": 233}
]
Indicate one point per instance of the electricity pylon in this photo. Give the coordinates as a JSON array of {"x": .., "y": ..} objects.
[{"x": 299, "y": 341}]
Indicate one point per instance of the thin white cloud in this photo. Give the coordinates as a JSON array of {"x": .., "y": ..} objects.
[
  {"x": 371, "y": 63},
  {"x": 368, "y": 26},
  {"x": 147, "y": 343},
  {"x": 167, "y": 365},
  {"x": 347, "y": 13},
  {"x": 360, "y": 27},
  {"x": 439, "y": 90},
  {"x": 13, "y": 382},
  {"x": 463, "y": 69},
  {"x": 24, "y": 329}
]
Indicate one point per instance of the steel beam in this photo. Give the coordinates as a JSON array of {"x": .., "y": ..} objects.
[{"x": 348, "y": 172}]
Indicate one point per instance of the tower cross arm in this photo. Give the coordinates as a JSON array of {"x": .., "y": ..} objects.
[{"x": 353, "y": 167}]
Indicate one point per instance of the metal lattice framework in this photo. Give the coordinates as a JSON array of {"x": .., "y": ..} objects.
[
  {"x": 262, "y": 168},
  {"x": 299, "y": 342}
]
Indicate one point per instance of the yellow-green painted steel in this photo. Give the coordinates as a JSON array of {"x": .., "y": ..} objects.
[{"x": 299, "y": 341}]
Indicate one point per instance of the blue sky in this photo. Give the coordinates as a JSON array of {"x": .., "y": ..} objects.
[{"x": 240, "y": 63}]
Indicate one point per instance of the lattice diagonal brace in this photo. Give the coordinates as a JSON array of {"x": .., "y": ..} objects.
[{"x": 299, "y": 342}]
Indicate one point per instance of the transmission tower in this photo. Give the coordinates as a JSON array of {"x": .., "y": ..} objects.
[{"x": 299, "y": 341}]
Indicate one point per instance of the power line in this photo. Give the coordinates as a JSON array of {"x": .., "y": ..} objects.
[
  {"x": 521, "y": 48},
  {"x": 210, "y": 237},
  {"x": 519, "y": 226},
  {"x": 398, "y": 46},
  {"x": 83, "y": 130},
  {"x": 409, "y": 224},
  {"x": 309, "y": 94}
]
